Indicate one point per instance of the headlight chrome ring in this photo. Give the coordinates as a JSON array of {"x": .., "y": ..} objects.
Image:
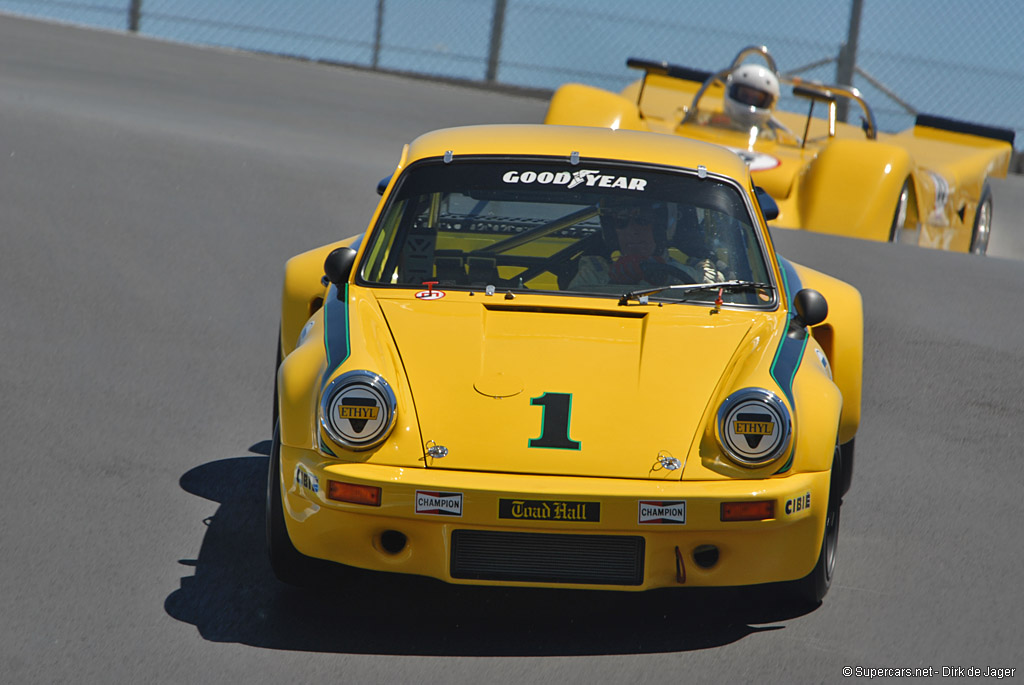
[
  {"x": 754, "y": 427},
  {"x": 358, "y": 410}
]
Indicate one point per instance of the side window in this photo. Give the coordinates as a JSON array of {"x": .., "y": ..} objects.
[{"x": 377, "y": 257}]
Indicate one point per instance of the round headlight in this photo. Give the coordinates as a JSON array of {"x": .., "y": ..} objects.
[
  {"x": 358, "y": 410},
  {"x": 754, "y": 427}
]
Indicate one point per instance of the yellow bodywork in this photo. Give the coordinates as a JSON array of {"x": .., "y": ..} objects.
[
  {"x": 841, "y": 183},
  {"x": 470, "y": 372}
]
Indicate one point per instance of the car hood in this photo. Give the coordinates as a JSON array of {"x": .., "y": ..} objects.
[{"x": 529, "y": 387}]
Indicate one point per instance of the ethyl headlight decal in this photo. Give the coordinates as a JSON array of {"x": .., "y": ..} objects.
[
  {"x": 358, "y": 409},
  {"x": 754, "y": 426}
]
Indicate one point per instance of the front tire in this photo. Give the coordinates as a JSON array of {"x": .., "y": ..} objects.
[
  {"x": 277, "y": 365},
  {"x": 812, "y": 588},
  {"x": 982, "y": 230},
  {"x": 846, "y": 450},
  {"x": 289, "y": 565}
]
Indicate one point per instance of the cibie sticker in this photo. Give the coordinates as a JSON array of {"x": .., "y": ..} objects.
[
  {"x": 439, "y": 503},
  {"x": 306, "y": 479},
  {"x": 798, "y": 504},
  {"x": 662, "y": 512},
  {"x": 757, "y": 161},
  {"x": 587, "y": 177}
]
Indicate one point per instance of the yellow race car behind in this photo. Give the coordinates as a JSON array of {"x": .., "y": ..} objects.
[
  {"x": 564, "y": 357},
  {"x": 927, "y": 185}
]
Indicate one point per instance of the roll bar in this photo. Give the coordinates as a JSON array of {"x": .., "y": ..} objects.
[{"x": 814, "y": 90}]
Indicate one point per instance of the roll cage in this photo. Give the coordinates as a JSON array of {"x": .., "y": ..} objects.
[{"x": 813, "y": 90}]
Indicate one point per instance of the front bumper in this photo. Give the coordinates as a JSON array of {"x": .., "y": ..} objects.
[{"x": 513, "y": 514}]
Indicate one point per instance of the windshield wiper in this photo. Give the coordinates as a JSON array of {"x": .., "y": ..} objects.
[{"x": 641, "y": 295}]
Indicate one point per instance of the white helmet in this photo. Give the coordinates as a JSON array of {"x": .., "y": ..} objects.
[{"x": 750, "y": 94}]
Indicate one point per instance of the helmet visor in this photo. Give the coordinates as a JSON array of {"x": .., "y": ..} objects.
[{"x": 753, "y": 97}]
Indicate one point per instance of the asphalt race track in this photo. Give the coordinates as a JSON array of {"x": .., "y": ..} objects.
[{"x": 150, "y": 195}]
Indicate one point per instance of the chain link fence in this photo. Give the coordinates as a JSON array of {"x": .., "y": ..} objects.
[{"x": 941, "y": 57}]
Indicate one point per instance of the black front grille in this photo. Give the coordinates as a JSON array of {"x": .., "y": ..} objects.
[{"x": 547, "y": 557}]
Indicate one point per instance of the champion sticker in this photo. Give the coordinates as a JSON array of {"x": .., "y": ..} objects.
[
  {"x": 439, "y": 503},
  {"x": 430, "y": 295},
  {"x": 662, "y": 512},
  {"x": 757, "y": 161},
  {"x": 582, "y": 177}
]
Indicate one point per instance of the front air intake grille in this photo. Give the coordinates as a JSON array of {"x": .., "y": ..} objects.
[{"x": 547, "y": 557}]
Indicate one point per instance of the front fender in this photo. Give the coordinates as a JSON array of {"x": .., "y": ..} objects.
[
  {"x": 303, "y": 292},
  {"x": 852, "y": 187},
  {"x": 841, "y": 337},
  {"x": 349, "y": 333},
  {"x": 819, "y": 408}
]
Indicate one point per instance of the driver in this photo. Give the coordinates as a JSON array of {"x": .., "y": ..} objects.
[
  {"x": 751, "y": 92},
  {"x": 638, "y": 232}
]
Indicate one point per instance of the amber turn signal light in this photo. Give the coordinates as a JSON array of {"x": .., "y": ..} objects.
[
  {"x": 748, "y": 511},
  {"x": 356, "y": 494}
]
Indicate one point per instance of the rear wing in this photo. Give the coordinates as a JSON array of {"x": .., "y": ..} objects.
[
  {"x": 812, "y": 90},
  {"x": 665, "y": 69},
  {"x": 955, "y": 126}
]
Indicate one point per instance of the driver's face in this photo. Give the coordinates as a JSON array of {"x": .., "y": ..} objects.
[
  {"x": 634, "y": 228},
  {"x": 636, "y": 239},
  {"x": 751, "y": 96}
]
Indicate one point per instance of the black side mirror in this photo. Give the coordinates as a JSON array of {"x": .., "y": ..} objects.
[
  {"x": 769, "y": 207},
  {"x": 382, "y": 185},
  {"x": 811, "y": 307},
  {"x": 338, "y": 265}
]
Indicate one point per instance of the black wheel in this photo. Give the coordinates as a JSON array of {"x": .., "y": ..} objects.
[
  {"x": 899, "y": 219},
  {"x": 289, "y": 565},
  {"x": 277, "y": 365},
  {"x": 846, "y": 450},
  {"x": 812, "y": 588},
  {"x": 982, "y": 230}
]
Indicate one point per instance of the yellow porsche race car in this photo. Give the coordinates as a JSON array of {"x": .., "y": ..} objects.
[
  {"x": 927, "y": 185},
  {"x": 564, "y": 357}
]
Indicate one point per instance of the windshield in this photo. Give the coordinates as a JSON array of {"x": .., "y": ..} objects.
[
  {"x": 593, "y": 229},
  {"x": 771, "y": 130}
]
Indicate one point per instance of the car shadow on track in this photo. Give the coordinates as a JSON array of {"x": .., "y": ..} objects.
[{"x": 233, "y": 596}]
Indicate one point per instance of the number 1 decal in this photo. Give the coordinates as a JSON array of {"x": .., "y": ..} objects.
[{"x": 554, "y": 421}]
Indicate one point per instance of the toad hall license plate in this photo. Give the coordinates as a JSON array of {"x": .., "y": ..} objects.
[{"x": 549, "y": 510}]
